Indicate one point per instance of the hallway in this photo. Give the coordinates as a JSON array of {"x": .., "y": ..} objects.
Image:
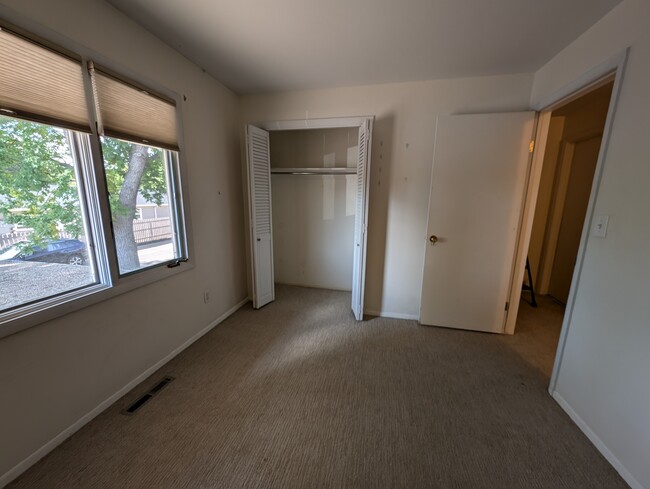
[{"x": 537, "y": 332}]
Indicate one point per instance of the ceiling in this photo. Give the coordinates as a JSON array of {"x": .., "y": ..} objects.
[{"x": 255, "y": 46}]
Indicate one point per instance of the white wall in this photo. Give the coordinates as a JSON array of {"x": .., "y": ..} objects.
[
  {"x": 313, "y": 230},
  {"x": 604, "y": 375},
  {"x": 580, "y": 175},
  {"x": 315, "y": 148},
  {"x": 53, "y": 374},
  {"x": 402, "y": 152}
]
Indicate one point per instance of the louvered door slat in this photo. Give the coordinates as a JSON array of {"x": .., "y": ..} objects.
[
  {"x": 361, "y": 222},
  {"x": 259, "y": 176}
]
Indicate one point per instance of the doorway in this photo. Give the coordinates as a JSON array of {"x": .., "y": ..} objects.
[{"x": 571, "y": 151}]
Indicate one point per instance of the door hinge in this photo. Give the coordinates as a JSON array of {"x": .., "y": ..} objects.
[
  {"x": 507, "y": 306},
  {"x": 531, "y": 147}
]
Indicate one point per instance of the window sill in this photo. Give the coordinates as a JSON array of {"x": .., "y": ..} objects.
[{"x": 25, "y": 317}]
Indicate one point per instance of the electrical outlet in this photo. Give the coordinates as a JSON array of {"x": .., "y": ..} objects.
[{"x": 206, "y": 296}]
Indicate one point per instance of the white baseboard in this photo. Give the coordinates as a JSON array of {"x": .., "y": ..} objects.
[
  {"x": 598, "y": 443},
  {"x": 21, "y": 467},
  {"x": 394, "y": 315}
]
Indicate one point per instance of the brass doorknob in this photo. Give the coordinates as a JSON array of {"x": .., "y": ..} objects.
[{"x": 433, "y": 238}]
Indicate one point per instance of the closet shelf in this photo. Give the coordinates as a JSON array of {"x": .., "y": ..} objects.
[{"x": 314, "y": 171}]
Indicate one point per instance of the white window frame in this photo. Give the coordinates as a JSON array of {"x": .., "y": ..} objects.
[{"x": 96, "y": 204}]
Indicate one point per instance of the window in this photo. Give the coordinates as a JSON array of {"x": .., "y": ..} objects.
[
  {"x": 39, "y": 190},
  {"x": 135, "y": 172},
  {"x": 139, "y": 161},
  {"x": 74, "y": 181}
]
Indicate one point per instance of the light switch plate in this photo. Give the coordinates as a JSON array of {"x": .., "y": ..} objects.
[{"x": 599, "y": 228}]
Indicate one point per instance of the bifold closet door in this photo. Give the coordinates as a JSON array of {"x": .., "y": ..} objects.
[
  {"x": 361, "y": 221},
  {"x": 259, "y": 205}
]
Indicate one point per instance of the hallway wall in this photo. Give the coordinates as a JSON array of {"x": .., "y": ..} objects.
[{"x": 580, "y": 119}]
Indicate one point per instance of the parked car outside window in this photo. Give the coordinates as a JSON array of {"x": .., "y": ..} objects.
[{"x": 68, "y": 251}]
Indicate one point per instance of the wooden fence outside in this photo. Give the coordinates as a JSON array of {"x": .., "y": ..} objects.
[
  {"x": 13, "y": 238},
  {"x": 145, "y": 231},
  {"x": 149, "y": 230}
]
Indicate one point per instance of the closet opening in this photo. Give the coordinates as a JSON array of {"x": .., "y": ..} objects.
[
  {"x": 568, "y": 173},
  {"x": 313, "y": 187},
  {"x": 308, "y": 201}
]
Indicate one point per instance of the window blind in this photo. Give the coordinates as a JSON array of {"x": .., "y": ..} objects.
[
  {"x": 128, "y": 112},
  {"x": 39, "y": 84}
]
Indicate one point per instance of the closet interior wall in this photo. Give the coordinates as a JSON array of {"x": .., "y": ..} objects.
[{"x": 313, "y": 215}]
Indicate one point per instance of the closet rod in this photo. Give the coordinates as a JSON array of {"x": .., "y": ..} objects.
[{"x": 314, "y": 171}]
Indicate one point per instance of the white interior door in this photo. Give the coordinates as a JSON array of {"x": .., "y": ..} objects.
[
  {"x": 361, "y": 220},
  {"x": 480, "y": 167},
  {"x": 259, "y": 204}
]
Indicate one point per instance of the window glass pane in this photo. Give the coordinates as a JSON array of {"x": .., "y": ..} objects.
[
  {"x": 142, "y": 206},
  {"x": 43, "y": 244}
]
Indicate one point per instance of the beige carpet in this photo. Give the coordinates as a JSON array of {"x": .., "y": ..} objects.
[
  {"x": 537, "y": 333},
  {"x": 298, "y": 395}
]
